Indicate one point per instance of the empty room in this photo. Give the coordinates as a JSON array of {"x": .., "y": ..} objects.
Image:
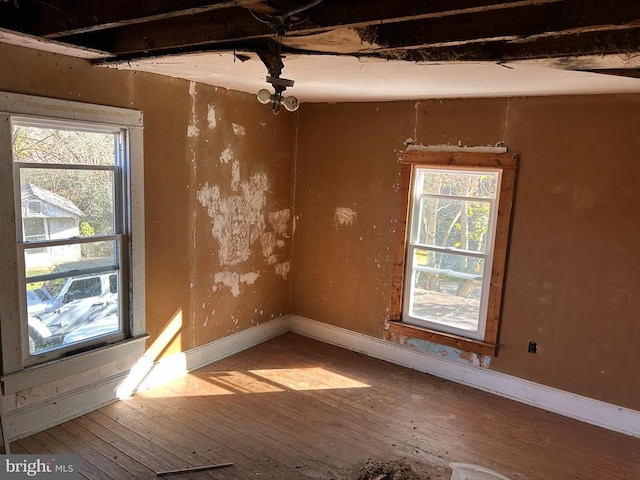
[{"x": 320, "y": 239}]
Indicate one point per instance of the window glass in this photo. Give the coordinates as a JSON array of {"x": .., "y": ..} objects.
[
  {"x": 453, "y": 223},
  {"x": 446, "y": 289},
  {"x": 62, "y": 146},
  {"x": 78, "y": 202},
  {"x": 453, "y": 216},
  {"x": 72, "y": 240}
]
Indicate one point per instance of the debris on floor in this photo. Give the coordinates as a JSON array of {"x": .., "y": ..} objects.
[{"x": 396, "y": 470}]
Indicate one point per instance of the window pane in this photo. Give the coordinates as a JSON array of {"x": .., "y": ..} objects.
[
  {"x": 73, "y": 257},
  {"x": 47, "y": 145},
  {"x": 459, "y": 184},
  {"x": 72, "y": 309},
  {"x": 453, "y": 223},
  {"x": 73, "y": 203},
  {"x": 33, "y": 229},
  {"x": 446, "y": 289}
]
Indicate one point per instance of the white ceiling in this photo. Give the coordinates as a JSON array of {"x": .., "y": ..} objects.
[{"x": 327, "y": 78}]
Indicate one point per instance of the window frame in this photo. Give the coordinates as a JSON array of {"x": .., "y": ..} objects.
[
  {"x": 17, "y": 367},
  {"x": 414, "y": 158},
  {"x": 118, "y": 236}
]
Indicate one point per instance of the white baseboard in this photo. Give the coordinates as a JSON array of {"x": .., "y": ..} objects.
[
  {"x": 57, "y": 409},
  {"x": 42, "y": 415},
  {"x": 581, "y": 408},
  {"x": 181, "y": 363}
]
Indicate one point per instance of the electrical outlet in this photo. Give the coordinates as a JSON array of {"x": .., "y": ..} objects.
[{"x": 533, "y": 347}]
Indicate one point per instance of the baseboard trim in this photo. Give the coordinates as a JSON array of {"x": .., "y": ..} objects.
[
  {"x": 181, "y": 363},
  {"x": 37, "y": 417},
  {"x": 595, "y": 412},
  {"x": 146, "y": 374},
  {"x": 55, "y": 410}
]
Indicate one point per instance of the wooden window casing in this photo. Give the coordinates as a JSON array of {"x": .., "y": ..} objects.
[{"x": 507, "y": 163}]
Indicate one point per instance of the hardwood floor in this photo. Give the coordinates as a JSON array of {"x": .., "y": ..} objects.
[{"x": 294, "y": 408}]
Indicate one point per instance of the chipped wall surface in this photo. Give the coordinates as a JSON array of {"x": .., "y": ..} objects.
[
  {"x": 572, "y": 283},
  {"x": 242, "y": 214},
  {"x": 218, "y": 178}
]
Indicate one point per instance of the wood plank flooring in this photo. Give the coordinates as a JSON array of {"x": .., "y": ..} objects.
[{"x": 294, "y": 408}]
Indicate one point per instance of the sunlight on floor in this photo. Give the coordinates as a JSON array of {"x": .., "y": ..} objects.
[
  {"x": 256, "y": 381},
  {"x": 142, "y": 372}
]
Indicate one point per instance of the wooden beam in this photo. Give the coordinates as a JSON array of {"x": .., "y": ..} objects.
[
  {"x": 59, "y": 18},
  {"x": 526, "y": 22},
  {"x": 503, "y": 50},
  {"x": 363, "y": 13},
  {"x": 620, "y": 72},
  {"x": 206, "y": 28},
  {"x": 196, "y": 30}
]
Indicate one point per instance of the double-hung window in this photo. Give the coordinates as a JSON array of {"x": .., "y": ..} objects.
[
  {"x": 70, "y": 177},
  {"x": 75, "y": 216},
  {"x": 458, "y": 212}
]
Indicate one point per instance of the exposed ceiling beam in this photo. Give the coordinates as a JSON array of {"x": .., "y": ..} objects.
[
  {"x": 195, "y": 30},
  {"x": 503, "y": 50},
  {"x": 562, "y": 31},
  {"x": 619, "y": 72},
  {"x": 235, "y": 24},
  {"x": 59, "y": 18},
  {"x": 551, "y": 19}
]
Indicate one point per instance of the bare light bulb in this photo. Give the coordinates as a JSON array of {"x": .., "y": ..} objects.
[
  {"x": 291, "y": 104},
  {"x": 264, "y": 96}
]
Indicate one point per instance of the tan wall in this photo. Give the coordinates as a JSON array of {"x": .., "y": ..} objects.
[
  {"x": 573, "y": 281},
  {"x": 181, "y": 250}
]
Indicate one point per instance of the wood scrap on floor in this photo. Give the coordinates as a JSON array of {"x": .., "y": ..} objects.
[{"x": 193, "y": 469}]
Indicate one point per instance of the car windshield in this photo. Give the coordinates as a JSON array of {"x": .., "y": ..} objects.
[{"x": 53, "y": 287}]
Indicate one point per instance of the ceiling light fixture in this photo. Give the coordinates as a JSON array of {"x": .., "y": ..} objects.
[{"x": 272, "y": 58}]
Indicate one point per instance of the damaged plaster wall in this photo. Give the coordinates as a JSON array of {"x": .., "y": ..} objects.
[
  {"x": 204, "y": 278},
  {"x": 572, "y": 282},
  {"x": 242, "y": 194}
]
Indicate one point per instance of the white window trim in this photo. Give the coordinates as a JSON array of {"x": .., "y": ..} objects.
[
  {"x": 13, "y": 365},
  {"x": 412, "y": 245}
]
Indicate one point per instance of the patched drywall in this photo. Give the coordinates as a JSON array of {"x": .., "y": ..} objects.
[
  {"x": 237, "y": 220},
  {"x": 344, "y": 217},
  {"x": 192, "y": 128},
  {"x": 243, "y": 199}
]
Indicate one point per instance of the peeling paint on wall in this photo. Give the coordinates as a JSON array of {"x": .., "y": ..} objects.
[
  {"x": 273, "y": 240},
  {"x": 283, "y": 269},
  {"x": 450, "y": 353},
  {"x": 238, "y": 220},
  {"x": 238, "y": 129},
  {"x": 344, "y": 217},
  {"x": 227, "y": 155},
  {"x": 279, "y": 221},
  {"x": 211, "y": 116},
  {"x": 232, "y": 280},
  {"x": 268, "y": 242},
  {"x": 192, "y": 128},
  {"x": 235, "y": 175}
]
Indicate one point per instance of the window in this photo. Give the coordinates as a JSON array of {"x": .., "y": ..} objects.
[
  {"x": 454, "y": 247},
  {"x": 77, "y": 217},
  {"x": 76, "y": 172}
]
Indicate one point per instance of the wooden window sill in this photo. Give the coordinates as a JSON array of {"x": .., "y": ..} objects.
[{"x": 450, "y": 340}]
